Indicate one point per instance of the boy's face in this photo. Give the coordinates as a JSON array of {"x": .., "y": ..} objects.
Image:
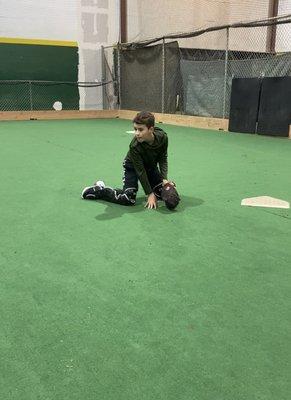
[{"x": 143, "y": 133}]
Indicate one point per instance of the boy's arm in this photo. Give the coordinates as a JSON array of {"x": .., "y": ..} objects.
[
  {"x": 163, "y": 161},
  {"x": 140, "y": 170}
]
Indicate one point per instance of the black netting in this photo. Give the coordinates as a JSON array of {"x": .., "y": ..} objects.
[{"x": 144, "y": 83}]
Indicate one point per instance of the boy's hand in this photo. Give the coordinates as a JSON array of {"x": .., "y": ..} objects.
[{"x": 151, "y": 201}]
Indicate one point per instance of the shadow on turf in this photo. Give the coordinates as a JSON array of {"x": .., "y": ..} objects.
[{"x": 116, "y": 211}]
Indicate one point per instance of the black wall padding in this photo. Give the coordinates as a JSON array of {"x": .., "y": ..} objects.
[
  {"x": 141, "y": 78},
  {"x": 275, "y": 107},
  {"x": 244, "y": 104}
]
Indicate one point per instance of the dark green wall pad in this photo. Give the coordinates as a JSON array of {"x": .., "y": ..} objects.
[
  {"x": 275, "y": 107},
  {"x": 245, "y": 97},
  {"x": 38, "y": 62}
]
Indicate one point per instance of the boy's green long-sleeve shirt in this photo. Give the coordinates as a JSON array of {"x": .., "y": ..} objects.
[{"x": 145, "y": 156}]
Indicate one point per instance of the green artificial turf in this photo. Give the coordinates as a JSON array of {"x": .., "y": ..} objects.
[{"x": 101, "y": 301}]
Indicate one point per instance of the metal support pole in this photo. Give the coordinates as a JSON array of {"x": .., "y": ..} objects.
[
  {"x": 119, "y": 77},
  {"x": 30, "y": 96},
  {"x": 272, "y": 30},
  {"x": 103, "y": 77},
  {"x": 163, "y": 75},
  {"x": 225, "y": 73},
  {"x": 123, "y": 21}
]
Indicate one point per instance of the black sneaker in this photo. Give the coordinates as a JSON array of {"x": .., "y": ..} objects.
[{"x": 91, "y": 193}]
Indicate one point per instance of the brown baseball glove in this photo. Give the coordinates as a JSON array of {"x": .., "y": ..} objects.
[{"x": 170, "y": 195}]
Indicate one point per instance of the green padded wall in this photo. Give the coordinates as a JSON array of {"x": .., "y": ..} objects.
[{"x": 38, "y": 62}]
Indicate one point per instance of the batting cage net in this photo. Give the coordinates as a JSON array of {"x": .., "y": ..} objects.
[
  {"x": 191, "y": 73},
  {"x": 187, "y": 72},
  {"x": 28, "y": 95}
]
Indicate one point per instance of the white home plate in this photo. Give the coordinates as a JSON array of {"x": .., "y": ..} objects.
[
  {"x": 265, "y": 201},
  {"x": 129, "y": 131}
]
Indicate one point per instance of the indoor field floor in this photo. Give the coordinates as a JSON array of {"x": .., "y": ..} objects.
[{"x": 101, "y": 301}]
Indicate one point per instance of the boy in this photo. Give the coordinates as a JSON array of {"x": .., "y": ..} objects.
[{"x": 147, "y": 150}]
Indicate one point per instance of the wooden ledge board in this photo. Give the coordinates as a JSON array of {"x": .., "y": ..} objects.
[
  {"x": 48, "y": 115},
  {"x": 172, "y": 119},
  {"x": 183, "y": 120}
]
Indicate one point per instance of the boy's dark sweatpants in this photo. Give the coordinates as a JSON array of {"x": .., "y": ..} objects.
[{"x": 127, "y": 195}]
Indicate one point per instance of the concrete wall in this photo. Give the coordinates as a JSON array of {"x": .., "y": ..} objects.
[
  {"x": 151, "y": 18},
  {"x": 284, "y": 31},
  {"x": 54, "y": 19},
  {"x": 98, "y": 26}
]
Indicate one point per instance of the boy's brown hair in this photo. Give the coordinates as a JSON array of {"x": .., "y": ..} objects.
[{"x": 144, "y": 118}]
